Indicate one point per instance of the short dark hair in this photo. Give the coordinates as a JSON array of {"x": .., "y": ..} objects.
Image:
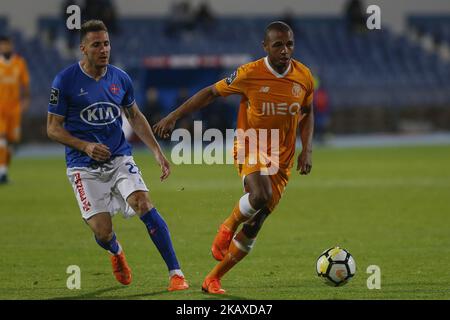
[
  {"x": 279, "y": 26},
  {"x": 5, "y": 38},
  {"x": 91, "y": 26}
]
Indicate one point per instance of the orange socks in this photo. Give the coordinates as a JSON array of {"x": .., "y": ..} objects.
[
  {"x": 240, "y": 246},
  {"x": 233, "y": 256},
  {"x": 242, "y": 212},
  {"x": 235, "y": 218}
]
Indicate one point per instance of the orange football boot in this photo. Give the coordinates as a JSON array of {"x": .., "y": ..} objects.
[
  {"x": 212, "y": 285},
  {"x": 121, "y": 270},
  {"x": 221, "y": 242},
  {"x": 177, "y": 282}
]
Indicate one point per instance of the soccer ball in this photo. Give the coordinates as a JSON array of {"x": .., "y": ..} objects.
[{"x": 336, "y": 266}]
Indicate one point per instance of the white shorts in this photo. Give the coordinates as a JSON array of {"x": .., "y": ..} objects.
[{"x": 106, "y": 187}]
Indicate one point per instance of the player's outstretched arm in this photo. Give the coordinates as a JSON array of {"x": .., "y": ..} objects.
[
  {"x": 56, "y": 132},
  {"x": 199, "y": 100},
  {"x": 143, "y": 130},
  {"x": 304, "y": 161}
]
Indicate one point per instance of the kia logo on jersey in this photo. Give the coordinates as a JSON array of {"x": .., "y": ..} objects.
[{"x": 100, "y": 113}]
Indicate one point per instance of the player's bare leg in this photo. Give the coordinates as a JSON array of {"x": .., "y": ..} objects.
[
  {"x": 101, "y": 225},
  {"x": 259, "y": 193},
  {"x": 159, "y": 233}
]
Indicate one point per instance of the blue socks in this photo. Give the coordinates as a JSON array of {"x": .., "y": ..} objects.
[
  {"x": 159, "y": 233},
  {"x": 112, "y": 245}
]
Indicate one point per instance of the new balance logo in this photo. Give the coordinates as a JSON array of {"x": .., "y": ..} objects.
[
  {"x": 271, "y": 108},
  {"x": 264, "y": 89}
]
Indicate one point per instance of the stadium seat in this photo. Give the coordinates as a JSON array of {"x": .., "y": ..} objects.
[{"x": 376, "y": 68}]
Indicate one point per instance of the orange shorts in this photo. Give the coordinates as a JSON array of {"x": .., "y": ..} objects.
[
  {"x": 279, "y": 179},
  {"x": 10, "y": 124}
]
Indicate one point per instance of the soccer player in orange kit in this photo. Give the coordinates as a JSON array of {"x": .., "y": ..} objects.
[
  {"x": 276, "y": 94},
  {"x": 14, "y": 99}
]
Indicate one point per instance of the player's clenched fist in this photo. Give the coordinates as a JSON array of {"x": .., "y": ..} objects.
[
  {"x": 97, "y": 151},
  {"x": 164, "y": 127}
]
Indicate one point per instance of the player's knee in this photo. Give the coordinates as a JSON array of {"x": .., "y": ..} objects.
[
  {"x": 104, "y": 234},
  {"x": 260, "y": 198},
  {"x": 140, "y": 203},
  {"x": 144, "y": 206}
]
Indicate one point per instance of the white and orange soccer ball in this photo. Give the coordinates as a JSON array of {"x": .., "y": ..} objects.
[{"x": 336, "y": 266}]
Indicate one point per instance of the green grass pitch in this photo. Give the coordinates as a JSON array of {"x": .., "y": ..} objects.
[{"x": 388, "y": 206}]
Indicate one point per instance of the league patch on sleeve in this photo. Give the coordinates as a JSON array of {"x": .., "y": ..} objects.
[
  {"x": 231, "y": 78},
  {"x": 54, "y": 96}
]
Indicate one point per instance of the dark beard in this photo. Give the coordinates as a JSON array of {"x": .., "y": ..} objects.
[{"x": 7, "y": 55}]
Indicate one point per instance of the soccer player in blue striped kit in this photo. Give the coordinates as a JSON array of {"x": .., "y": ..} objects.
[{"x": 84, "y": 114}]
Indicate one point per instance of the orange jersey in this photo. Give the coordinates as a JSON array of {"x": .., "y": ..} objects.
[
  {"x": 13, "y": 76},
  {"x": 271, "y": 101}
]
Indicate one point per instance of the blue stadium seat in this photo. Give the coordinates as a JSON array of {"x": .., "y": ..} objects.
[
  {"x": 377, "y": 68},
  {"x": 4, "y": 28}
]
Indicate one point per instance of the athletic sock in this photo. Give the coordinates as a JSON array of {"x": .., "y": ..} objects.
[
  {"x": 233, "y": 256},
  {"x": 112, "y": 245},
  {"x": 242, "y": 212},
  {"x": 159, "y": 233},
  {"x": 234, "y": 219},
  {"x": 175, "y": 272}
]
